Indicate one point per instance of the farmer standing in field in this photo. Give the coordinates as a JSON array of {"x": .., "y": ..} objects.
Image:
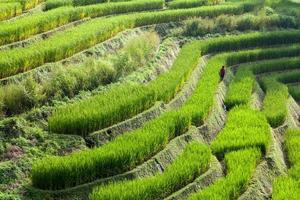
[{"x": 222, "y": 73}]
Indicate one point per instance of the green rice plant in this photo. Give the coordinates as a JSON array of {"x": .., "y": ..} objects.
[
  {"x": 123, "y": 154},
  {"x": 275, "y": 102},
  {"x": 62, "y": 82},
  {"x": 202, "y": 99},
  {"x": 294, "y": 171},
  {"x": 28, "y": 26},
  {"x": 28, "y": 4},
  {"x": 90, "y": 2},
  {"x": 190, "y": 164},
  {"x": 229, "y": 23},
  {"x": 245, "y": 128},
  {"x": 248, "y": 40},
  {"x": 281, "y": 64},
  {"x": 51, "y": 4},
  {"x": 178, "y": 4},
  {"x": 249, "y": 21},
  {"x": 240, "y": 166},
  {"x": 69, "y": 42},
  {"x": 168, "y": 84},
  {"x": 240, "y": 90},
  {"x": 25, "y": 4},
  {"x": 131, "y": 149},
  {"x": 143, "y": 146},
  {"x": 285, "y": 188},
  {"x": 9, "y": 10},
  {"x": 68, "y": 119},
  {"x": 125, "y": 100},
  {"x": 286, "y": 77},
  {"x": 213, "y": 66},
  {"x": 292, "y": 145},
  {"x": 118, "y": 104},
  {"x": 294, "y": 90},
  {"x": 271, "y": 53}
]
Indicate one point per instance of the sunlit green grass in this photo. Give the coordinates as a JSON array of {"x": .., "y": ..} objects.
[
  {"x": 132, "y": 148},
  {"x": 245, "y": 128},
  {"x": 41, "y": 22},
  {"x": 74, "y": 40},
  {"x": 80, "y": 118},
  {"x": 190, "y": 164},
  {"x": 275, "y": 102},
  {"x": 240, "y": 166}
]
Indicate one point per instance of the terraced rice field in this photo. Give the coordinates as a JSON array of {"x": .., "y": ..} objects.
[{"x": 124, "y": 100}]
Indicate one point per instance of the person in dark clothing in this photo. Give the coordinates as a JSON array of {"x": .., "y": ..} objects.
[{"x": 222, "y": 73}]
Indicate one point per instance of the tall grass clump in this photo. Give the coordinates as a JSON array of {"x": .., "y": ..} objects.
[
  {"x": 275, "y": 102},
  {"x": 136, "y": 53},
  {"x": 10, "y": 99},
  {"x": 69, "y": 42},
  {"x": 240, "y": 166},
  {"x": 9, "y": 10},
  {"x": 61, "y": 83},
  {"x": 240, "y": 90},
  {"x": 28, "y": 26},
  {"x": 245, "y": 128},
  {"x": 15, "y": 98},
  {"x": 189, "y": 165}
]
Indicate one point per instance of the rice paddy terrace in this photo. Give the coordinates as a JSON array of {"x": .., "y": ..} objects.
[{"x": 123, "y": 99}]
